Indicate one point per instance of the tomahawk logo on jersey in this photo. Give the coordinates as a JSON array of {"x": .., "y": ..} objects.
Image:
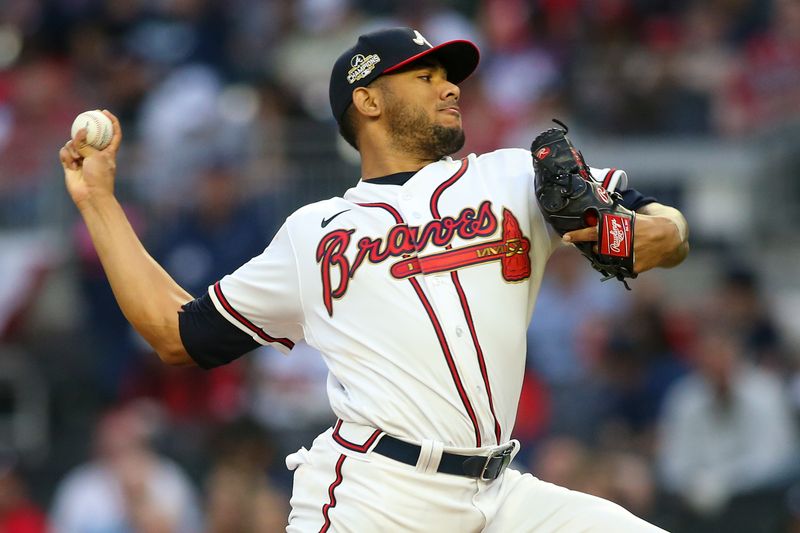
[{"x": 410, "y": 242}]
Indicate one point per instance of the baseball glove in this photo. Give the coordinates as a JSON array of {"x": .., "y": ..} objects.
[{"x": 570, "y": 199}]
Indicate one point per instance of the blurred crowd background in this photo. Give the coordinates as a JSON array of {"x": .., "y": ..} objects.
[{"x": 679, "y": 399}]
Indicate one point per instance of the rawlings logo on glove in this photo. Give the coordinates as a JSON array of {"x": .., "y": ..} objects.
[{"x": 571, "y": 198}]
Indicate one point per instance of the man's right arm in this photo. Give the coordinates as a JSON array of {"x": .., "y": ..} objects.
[{"x": 148, "y": 297}]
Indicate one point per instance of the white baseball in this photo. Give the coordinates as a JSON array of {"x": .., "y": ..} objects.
[{"x": 99, "y": 129}]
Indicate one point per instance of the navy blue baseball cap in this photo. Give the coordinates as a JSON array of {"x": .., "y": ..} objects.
[{"x": 384, "y": 51}]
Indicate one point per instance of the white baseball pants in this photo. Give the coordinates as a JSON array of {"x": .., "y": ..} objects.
[{"x": 341, "y": 490}]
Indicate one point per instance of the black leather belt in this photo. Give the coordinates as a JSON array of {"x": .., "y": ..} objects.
[{"x": 482, "y": 467}]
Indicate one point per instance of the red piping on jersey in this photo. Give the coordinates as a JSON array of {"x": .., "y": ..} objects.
[
  {"x": 388, "y": 207},
  {"x": 449, "y": 358},
  {"x": 440, "y": 189},
  {"x": 463, "y": 298},
  {"x": 351, "y": 445},
  {"x": 249, "y": 325},
  {"x": 332, "y": 503},
  {"x": 481, "y": 362},
  {"x": 438, "y": 327},
  {"x": 607, "y": 179}
]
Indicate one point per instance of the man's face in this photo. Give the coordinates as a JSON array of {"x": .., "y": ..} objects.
[{"x": 422, "y": 111}]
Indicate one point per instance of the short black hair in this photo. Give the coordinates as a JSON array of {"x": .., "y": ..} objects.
[{"x": 347, "y": 126}]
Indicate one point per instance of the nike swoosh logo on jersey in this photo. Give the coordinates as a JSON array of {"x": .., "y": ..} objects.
[{"x": 326, "y": 221}]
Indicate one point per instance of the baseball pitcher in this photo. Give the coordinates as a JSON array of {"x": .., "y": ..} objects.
[{"x": 417, "y": 286}]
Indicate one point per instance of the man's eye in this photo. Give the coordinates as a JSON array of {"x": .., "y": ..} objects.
[{"x": 426, "y": 77}]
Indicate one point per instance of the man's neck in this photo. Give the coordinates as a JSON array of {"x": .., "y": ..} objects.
[{"x": 375, "y": 165}]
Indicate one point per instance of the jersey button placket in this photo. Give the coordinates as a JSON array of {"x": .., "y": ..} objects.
[{"x": 447, "y": 306}]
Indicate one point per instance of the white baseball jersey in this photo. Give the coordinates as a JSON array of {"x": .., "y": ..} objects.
[{"x": 417, "y": 295}]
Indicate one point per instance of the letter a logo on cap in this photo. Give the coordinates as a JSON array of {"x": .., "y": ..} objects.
[
  {"x": 362, "y": 67},
  {"x": 420, "y": 40}
]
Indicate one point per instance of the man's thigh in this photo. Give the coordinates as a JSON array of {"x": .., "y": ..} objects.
[
  {"x": 523, "y": 503},
  {"x": 359, "y": 493}
]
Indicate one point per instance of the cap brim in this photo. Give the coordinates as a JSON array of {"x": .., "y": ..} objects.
[{"x": 459, "y": 58}]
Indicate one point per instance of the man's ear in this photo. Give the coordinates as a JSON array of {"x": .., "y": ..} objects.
[{"x": 368, "y": 101}]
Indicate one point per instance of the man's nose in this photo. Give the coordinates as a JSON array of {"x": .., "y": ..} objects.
[{"x": 450, "y": 91}]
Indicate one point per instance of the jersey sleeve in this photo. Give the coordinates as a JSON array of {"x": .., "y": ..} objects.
[
  {"x": 262, "y": 297},
  {"x": 634, "y": 200},
  {"x": 208, "y": 337}
]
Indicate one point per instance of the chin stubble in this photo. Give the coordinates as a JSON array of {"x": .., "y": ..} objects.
[{"x": 413, "y": 131}]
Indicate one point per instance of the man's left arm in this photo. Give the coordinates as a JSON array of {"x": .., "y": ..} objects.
[
  {"x": 661, "y": 237},
  {"x": 661, "y": 233}
]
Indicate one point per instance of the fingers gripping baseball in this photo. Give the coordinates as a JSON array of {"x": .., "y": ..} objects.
[{"x": 89, "y": 172}]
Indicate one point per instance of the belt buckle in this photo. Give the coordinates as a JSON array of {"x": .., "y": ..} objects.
[{"x": 495, "y": 469}]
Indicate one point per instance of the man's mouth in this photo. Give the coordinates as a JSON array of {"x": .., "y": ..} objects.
[{"x": 452, "y": 109}]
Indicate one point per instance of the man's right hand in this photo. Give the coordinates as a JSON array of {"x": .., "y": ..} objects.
[
  {"x": 89, "y": 173},
  {"x": 131, "y": 271}
]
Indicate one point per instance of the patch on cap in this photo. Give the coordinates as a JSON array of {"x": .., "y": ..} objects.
[{"x": 361, "y": 66}]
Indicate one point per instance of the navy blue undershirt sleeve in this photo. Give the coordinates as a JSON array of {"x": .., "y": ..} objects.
[
  {"x": 208, "y": 337},
  {"x": 634, "y": 200}
]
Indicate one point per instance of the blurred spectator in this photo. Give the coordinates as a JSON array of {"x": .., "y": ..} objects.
[
  {"x": 501, "y": 103},
  {"x": 441, "y": 21},
  {"x": 258, "y": 27},
  {"x": 561, "y": 460},
  {"x": 516, "y": 54},
  {"x": 180, "y": 126},
  {"x": 174, "y": 33},
  {"x": 18, "y": 514},
  {"x": 127, "y": 486},
  {"x": 303, "y": 60},
  {"x": 483, "y": 126},
  {"x": 727, "y": 439},
  {"x": 739, "y": 302},
  {"x": 220, "y": 230},
  {"x": 641, "y": 363},
  {"x": 219, "y": 226},
  {"x": 287, "y": 394},
  {"x": 189, "y": 395},
  {"x": 622, "y": 477},
  {"x": 572, "y": 302},
  {"x": 240, "y": 496},
  {"x": 702, "y": 66},
  {"x": 37, "y": 107},
  {"x": 28, "y": 258},
  {"x": 764, "y": 93}
]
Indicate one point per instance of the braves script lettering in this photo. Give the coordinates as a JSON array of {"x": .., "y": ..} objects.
[{"x": 401, "y": 240}]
